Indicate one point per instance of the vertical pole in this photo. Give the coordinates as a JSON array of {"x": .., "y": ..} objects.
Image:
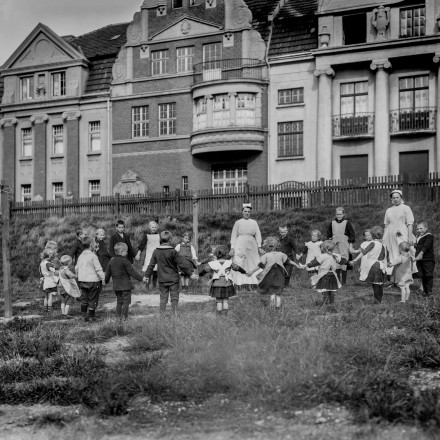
[
  {"x": 117, "y": 204},
  {"x": 322, "y": 191},
  {"x": 196, "y": 222},
  {"x": 5, "y": 250}
]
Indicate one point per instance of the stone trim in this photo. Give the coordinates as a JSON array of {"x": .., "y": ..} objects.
[
  {"x": 71, "y": 116},
  {"x": 39, "y": 118},
  {"x": 380, "y": 64},
  {"x": 326, "y": 70},
  {"x": 8, "y": 122}
]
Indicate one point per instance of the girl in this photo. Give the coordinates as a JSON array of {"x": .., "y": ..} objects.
[
  {"x": 272, "y": 279},
  {"x": 53, "y": 245},
  {"x": 373, "y": 265},
  {"x": 326, "y": 280},
  {"x": 67, "y": 287},
  {"x": 312, "y": 249},
  {"x": 150, "y": 242},
  {"x": 402, "y": 273},
  {"x": 186, "y": 251},
  {"x": 101, "y": 249},
  {"x": 222, "y": 287},
  {"x": 49, "y": 278}
]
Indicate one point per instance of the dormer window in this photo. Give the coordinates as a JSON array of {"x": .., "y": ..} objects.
[
  {"x": 27, "y": 88},
  {"x": 177, "y": 4},
  {"x": 412, "y": 21},
  {"x": 355, "y": 28},
  {"x": 58, "y": 84}
]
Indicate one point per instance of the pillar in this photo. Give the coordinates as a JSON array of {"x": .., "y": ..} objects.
[
  {"x": 232, "y": 108},
  {"x": 436, "y": 60},
  {"x": 209, "y": 111},
  {"x": 8, "y": 156},
  {"x": 381, "y": 154},
  {"x": 72, "y": 152},
  {"x": 324, "y": 128},
  {"x": 40, "y": 155}
]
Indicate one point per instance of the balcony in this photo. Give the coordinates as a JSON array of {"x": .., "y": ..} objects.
[
  {"x": 349, "y": 126},
  {"x": 417, "y": 120},
  {"x": 237, "y": 68}
]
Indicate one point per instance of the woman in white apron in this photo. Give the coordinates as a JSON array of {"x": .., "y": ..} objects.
[{"x": 150, "y": 242}]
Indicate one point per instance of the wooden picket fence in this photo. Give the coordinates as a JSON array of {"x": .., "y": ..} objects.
[{"x": 284, "y": 196}]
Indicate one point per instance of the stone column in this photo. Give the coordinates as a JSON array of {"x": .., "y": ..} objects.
[
  {"x": 232, "y": 108},
  {"x": 72, "y": 152},
  {"x": 209, "y": 111},
  {"x": 258, "y": 110},
  {"x": 381, "y": 156},
  {"x": 8, "y": 156},
  {"x": 40, "y": 155},
  {"x": 436, "y": 60},
  {"x": 324, "y": 128}
]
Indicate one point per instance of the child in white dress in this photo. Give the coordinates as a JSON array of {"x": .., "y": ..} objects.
[
  {"x": 311, "y": 250},
  {"x": 67, "y": 286},
  {"x": 49, "y": 278},
  {"x": 403, "y": 270}
]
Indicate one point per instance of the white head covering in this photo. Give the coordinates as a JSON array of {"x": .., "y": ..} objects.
[
  {"x": 396, "y": 191},
  {"x": 247, "y": 205}
]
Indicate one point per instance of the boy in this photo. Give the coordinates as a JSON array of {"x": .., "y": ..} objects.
[
  {"x": 168, "y": 265},
  {"x": 341, "y": 232},
  {"x": 288, "y": 247},
  {"x": 120, "y": 269},
  {"x": 78, "y": 247},
  {"x": 425, "y": 256},
  {"x": 121, "y": 237},
  {"x": 90, "y": 278}
]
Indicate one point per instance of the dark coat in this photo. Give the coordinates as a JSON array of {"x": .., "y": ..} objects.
[
  {"x": 76, "y": 251},
  {"x": 287, "y": 246},
  {"x": 425, "y": 244},
  {"x": 116, "y": 238},
  {"x": 120, "y": 270},
  {"x": 102, "y": 253}
]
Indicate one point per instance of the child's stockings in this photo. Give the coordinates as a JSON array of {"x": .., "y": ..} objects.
[
  {"x": 378, "y": 293},
  {"x": 275, "y": 301},
  {"x": 404, "y": 293},
  {"x": 222, "y": 307}
]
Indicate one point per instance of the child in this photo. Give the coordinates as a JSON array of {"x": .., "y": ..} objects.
[
  {"x": 402, "y": 273},
  {"x": 150, "y": 242},
  {"x": 67, "y": 287},
  {"x": 425, "y": 256},
  {"x": 49, "y": 276},
  {"x": 312, "y": 249},
  {"x": 101, "y": 249},
  {"x": 78, "y": 247},
  {"x": 120, "y": 269},
  {"x": 54, "y": 246},
  {"x": 272, "y": 279},
  {"x": 341, "y": 232},
  {"x": 222, "y": 286},
  {"x": 168, "y": 265},
  {"x": 326, "y": 280},
  {"x": 90, "y": 278},
  {"x": 373, "y": 261},
  {"x": 287, "y": 247},
  {"x": 121, "y": 237},
  {"x": 186, "y": 250}
]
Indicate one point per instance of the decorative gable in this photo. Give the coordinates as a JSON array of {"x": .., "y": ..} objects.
[{"x": 186, "y": 27}]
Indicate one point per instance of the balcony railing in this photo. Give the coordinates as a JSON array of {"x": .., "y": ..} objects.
[
  {"x": 235, "y": 68},
  {"x": 413, "y": 120},
  {"x": 352, "y": 126}
]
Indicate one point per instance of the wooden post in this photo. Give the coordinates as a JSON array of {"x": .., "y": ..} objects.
[
  {"x": 177, "y": 205},
  {"x": 196, "y": 222},
  {"x": 5, "y": 249},
  {"x": 118, "y": 209},
  {"x": 322, "y": 191}
]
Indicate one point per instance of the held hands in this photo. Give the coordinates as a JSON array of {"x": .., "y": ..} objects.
[
  {"x": 145, "y": 280},
  {"x": 298, "y": 256},
  {"x": 261, "y": 251},
  {"x": 137, "y": 257},
  {"x": 231, "y": 253},
  {"x": 194, "y": 276}
]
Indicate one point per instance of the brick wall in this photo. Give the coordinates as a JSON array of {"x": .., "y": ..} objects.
[
  {"x": 72, "y": 156},
  {"x": 40, "y": 159}
]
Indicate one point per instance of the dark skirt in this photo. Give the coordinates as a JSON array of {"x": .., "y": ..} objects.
[
  {"x": 327, "y": 282},
  {"x": 273, "y": 282},
  {"x": 222, "y": 292},
  {"x": 375, "y": 274}
]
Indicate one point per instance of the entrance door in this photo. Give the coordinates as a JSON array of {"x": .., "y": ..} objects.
[
  {"x": 414, "y": 164},
  {"x": 354, "y": 167}
]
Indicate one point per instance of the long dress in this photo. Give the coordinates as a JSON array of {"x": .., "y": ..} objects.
[
  {"x": 153, "y": 241},
  {"x": 342, "y": 233},
  {"x": 373, "y": 262},
  {"x": 245, "y": 240},
  {"x": 326, "y": 279},
  {"x": 397, "y": 219},
  {"x": 272, "y": 279}
]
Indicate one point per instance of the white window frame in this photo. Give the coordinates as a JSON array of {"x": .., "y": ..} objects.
[
  {"x": 290, "y": 139},
  {"x": 201, "y": 113},
  {"x": 229, "y": 179},
  {"x": 167, "y": 119},
  {"x": 140, "y": 122},
  {"x": 27, "y": 142},
  {"x": 58, "y": 84},
  {"x": 221, "y": 112},
  {"x": 420, "y": 29},
  {"x": 94, "y": 136},
  {"x": 57, "y": 190},
  {"x": 185, "y": 185},
  {"x": 57, "y": 140},
  {"x": 26, "y": 193},
  {"x": 245, "y": 109},
  {"x": 291, "y": 96},
  {"x": 27, "y": 88},
  {"x": 94, "y": 188},
  {"x": 185, "y": 59},
  {"x": 159, "y": 62}
]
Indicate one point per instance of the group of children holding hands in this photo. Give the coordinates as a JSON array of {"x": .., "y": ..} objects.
[{"x": 81, "y": 274}]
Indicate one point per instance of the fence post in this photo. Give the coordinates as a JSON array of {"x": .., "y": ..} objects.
[
  {"x": 322, "y": 191},
  {"x": 118, "y": 209},
  {"x": 195, "y": 201},
  {"x": 5, "y": 217},
  {"x": 405, "y": 185},
  {"x": 62, "y": 207},
  {"x": 177, "y": 205}
]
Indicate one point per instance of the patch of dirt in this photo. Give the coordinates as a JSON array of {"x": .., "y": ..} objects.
[
  {"x": 153, "y": 300},
  {"x": 424, "y": 379}
]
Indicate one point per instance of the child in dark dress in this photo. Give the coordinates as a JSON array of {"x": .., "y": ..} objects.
[
  {"x": 425, "y": 257},
  {"x": 222, "y": 286},
  {"x": 101, "y": 249},
  {"x": 186, "y": 250},
  {"x": 288, "y": 247}
]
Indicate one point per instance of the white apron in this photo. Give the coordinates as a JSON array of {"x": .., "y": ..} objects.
[{"x": 153, "y": 241}]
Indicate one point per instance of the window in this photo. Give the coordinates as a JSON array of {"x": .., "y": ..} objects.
[
  {"x": 200, "y": 119},
  {"x": 57, "y": 190},
  {"x": 140, "y": 121},
  {"x": 185, "y": 185},
  {"x": 290, "y": 139},
  {"x": 159, "y": 62},
  {"x": 57, "y": 140},
  {"x": 354, "y": 98},
  {"x": 167, "y": 119},
  {"x": 413, "y": 92},
  {"x": 245, "y": 109},
  {"x": 95, "y": 136},
  {"x": 177, "y": 4},
  {"x": 26, "y": 142},
  {"x": 166, "y": 191},
  {"x": 221, "y": 110},
  {"x": 59, "y": 84},
  {"x": 27, "y": 88},
  {"x": 26, "y": 193},
  {"x": 412, "y": 22},
  {"x": 414, "y": 164},
  {"x": 355, "y": 28},
  {"x": 354, "y": 167},
  {"x": 94, "y": 188},
  {"x": 212, "y": 54},
  {"x": 229, "y": 179},
  {"x": 291, "y": 96},
  {"x": 185, "y": 58}
]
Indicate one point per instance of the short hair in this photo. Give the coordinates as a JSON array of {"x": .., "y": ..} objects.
[
  {"x": 51, "y": 245},
  {"x": 120, "y": 222},
  {"x": 271, "y": 243},
  {"x": 80, "y": 232},
  {"x": 65, "y": 260},
  {"x": 120, "y": 247},
  {"x": 327, "y": 246},
  {"x": 376, "y": 232},
  {"x": 88, "y": 242},
  {"x": 221, "y": 252},
  {"x": 186, "y": 234},
  {"x": 283, "y": 226},
  {"x": 423, "y": 222},
  {"x": 340, "y": 208},
  {"x": 317, "y": 232},
  {"x": 47, "y": 253},
  {"x": 98, "y": 231},
  {"x": 404, "y": 246},
  {"x": 152, "y": 222},
  {"x": 165, "y": 236}
]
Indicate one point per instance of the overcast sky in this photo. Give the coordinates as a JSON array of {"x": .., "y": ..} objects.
[{"x": 65, "y": 17}]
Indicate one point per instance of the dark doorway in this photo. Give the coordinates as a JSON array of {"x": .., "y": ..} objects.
[
  {"x": 355, "y": 28},
  {"x": 354, "y": 167},
  {"x": 414, "y": 164}
]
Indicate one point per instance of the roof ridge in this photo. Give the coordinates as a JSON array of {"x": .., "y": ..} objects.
[{"x": 101, "y": 28}]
